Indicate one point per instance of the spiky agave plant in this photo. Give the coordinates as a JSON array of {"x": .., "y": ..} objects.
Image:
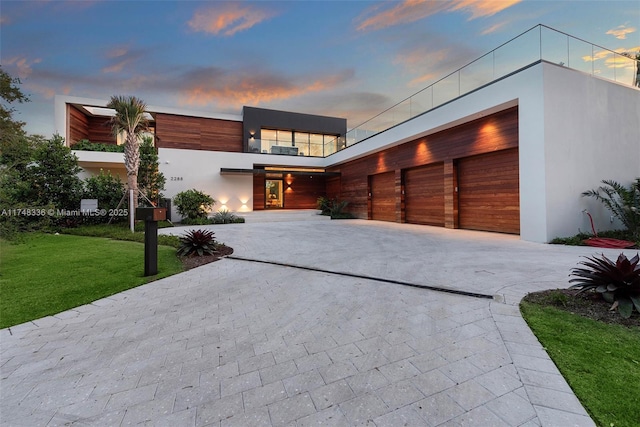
[
  {"x": 197, "y": 242},
  {"x": 618, "y": 282}
]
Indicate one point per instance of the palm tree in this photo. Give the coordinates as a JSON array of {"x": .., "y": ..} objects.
[{"x": 130, "y": 120}]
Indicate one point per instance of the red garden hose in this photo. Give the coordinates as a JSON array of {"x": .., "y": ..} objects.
[{"x": 605, "y": 242}]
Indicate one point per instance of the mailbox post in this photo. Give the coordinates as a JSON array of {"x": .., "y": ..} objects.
[{"x": 151, "y": 216}]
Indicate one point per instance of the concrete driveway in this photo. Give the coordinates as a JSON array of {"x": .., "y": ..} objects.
[{"x": 249, "y": 341}]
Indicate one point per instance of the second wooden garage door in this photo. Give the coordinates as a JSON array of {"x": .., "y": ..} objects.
[
  {"x": 383, "y": 196},
  {"x": 424, "y": 195},
  {"x": 489, "y": 195}
]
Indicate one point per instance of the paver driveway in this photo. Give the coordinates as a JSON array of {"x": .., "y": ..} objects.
[{"x": 241, "y": 343}]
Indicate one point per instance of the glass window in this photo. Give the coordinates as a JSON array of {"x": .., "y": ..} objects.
[
  {"x": 302, "y": 142},
  {"x": 285, "y": 137},
  {"x": 316, "y": 141},
  {"x": 306, "y": 144}
]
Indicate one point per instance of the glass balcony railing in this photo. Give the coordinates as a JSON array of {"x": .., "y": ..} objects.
[
  {"x": 310, "y": 149},
  {"x": 540, "y": 43}
]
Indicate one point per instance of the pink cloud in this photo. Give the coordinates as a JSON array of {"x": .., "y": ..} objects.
[
  {"x": 482, "y": 8},
  {"x": 414, "y": 10},
  {"x": 228, "y": 18},
  {"x": 22, "y": 65},
  {"x": 232, "y": 89}
]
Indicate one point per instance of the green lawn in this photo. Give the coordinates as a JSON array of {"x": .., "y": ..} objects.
[
  {"x": 44, "y": 274},
  {"x": 601, "y": 362}
]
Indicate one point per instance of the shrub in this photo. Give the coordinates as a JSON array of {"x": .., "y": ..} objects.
[
  {"x": 226, "y": 217},
  {"x": 618, "y": 282},
  {"x": 193, "y": 203},
  {"x": 333, "y": 208},
  {"x": 197, "y": 242},
  {"x": 108, "y": 189},
  {"x": 622, "y": 202},
  {"x": 86, "y": 145},
  {"x": 337, "y": 209},
  {"x": 324, "y": 205}
]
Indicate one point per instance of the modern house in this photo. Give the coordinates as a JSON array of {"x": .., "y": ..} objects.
[{"x": 507, "y": 143}]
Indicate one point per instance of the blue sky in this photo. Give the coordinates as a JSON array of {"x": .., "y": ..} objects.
[{"x": 349, "y": 59}]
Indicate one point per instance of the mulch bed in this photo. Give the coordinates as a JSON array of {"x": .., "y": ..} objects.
[
  {"x": 194, "y": 261},
  {"x": 586, "y": 304}
]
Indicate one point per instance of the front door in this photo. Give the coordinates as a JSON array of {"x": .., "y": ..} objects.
[{"x": 273, "y": 194}]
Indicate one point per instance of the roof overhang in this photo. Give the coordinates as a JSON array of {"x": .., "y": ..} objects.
[{"x": 273, "y": 170}]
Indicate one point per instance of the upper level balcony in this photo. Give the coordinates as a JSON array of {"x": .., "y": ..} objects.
[
  {"x": 309, "y": 148},
  {"x": 540, "y": 43}
]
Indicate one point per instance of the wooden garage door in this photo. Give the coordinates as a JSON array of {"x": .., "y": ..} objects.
[
  {"x": 488, "y": 197},
  {"x": 383, "y": 196},
  {"x": 424, "y": 195}
]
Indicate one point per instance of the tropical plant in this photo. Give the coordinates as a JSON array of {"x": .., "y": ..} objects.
[
  {"x": 337, "y": 209},
  {"x": 150, "y": 180},
  {"x": 324, "y": 205},
  {"x": 225, "y": 217},
  {"x": 618, "y": 282},
  {"x": 197, "y": 242},
  {"x": 193, "y": 203},
  {"x": 622, "y": 202},
  {"x": 130, "y": 120}
]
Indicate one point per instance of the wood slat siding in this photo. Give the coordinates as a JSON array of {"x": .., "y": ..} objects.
[
  {"x": 383, "y": 196},
  {"x": 424, "y": 195},
  {"x": 333, "y": 187},
  {"x": 304, "y": 191},
  {"x": 259, "y": 183},
  {"x": 100, "y": 130},
  {"x": 197, "y": 133},
  {"x": 78, "y": 125},
  {"x": 495, "y": 132},
  {"x": 489, "y": 196}
]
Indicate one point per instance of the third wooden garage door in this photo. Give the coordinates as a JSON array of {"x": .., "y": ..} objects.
[{"x": 488, "y": 192}]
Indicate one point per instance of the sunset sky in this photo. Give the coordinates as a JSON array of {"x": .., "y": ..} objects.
[{"x": 349, "y": 59}]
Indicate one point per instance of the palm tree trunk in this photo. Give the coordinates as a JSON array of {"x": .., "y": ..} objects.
[{"x": 132, "y": 162}]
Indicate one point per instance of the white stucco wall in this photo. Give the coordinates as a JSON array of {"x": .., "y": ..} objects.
[{"x": 592, "y": 133}]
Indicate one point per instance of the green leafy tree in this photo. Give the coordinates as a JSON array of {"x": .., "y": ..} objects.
[
  {"x": 193, "y": 204},
  {"x": 53, "y": 176},
  {"x": 130, "y": 120},
  {"x": 150, "y": 180},
  {"x": 9, "y": 93},
  {"x": 16, "y": 148},
  {"x": 107, "y": 189},
  {"x": 38, "y": 179}
]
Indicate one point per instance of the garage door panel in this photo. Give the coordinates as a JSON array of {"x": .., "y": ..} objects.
[
  {"x": 424, "y": 195},
  {"x": 383, "y": 197},
  {"x": 488, "y": 197}
]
